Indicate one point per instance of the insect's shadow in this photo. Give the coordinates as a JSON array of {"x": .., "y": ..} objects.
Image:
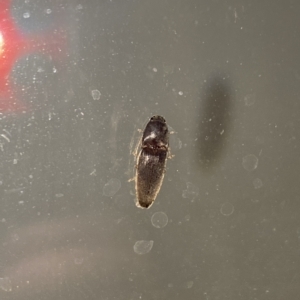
[{"x": 216, "y": 113}]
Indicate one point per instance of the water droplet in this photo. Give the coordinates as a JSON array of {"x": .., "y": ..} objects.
[
  {"x": 78, "y": 260},
  {"x": 15, "y": 237},
  {"x": 159, "y": 219},
  {"x": 191, "y": 192},
  {"x": 250, "y": 99},
  {"x": 54, "y": 70},
  {"x": 48, "y": 11},
  {"x": 227, "y": 209},
  {"x": 255, "y": 200},
  {"x": 250, "y": 162},
  {"x": 175, "y": 142},
  {"x": 111, "y": 187},
  {"x": 154, "y": 70},
  {"x": 180, "y": 93},
  {"x": 168, "y": 69},
  {"x": 187, "y": 218},
  {"x": 298, "y": 232},
  {"x": 26, "y": 15},
  {"x": 5, "y": 284},
  {"x": 189, "y": 284},
  {"x": 260, "y": 139},
  {"x": 257, "y": 183},
  {"x": 96, "y": 94},
  {"x": 143, "y": 247}
]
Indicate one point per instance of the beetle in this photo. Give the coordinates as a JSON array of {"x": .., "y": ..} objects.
[{"x": 151, "y": 161}]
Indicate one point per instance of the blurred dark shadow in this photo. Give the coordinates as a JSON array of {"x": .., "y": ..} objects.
[{"x": 215, "y": 118}]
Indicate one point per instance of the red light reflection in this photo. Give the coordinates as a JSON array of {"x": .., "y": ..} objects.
[{"x": 15, "y": 44}]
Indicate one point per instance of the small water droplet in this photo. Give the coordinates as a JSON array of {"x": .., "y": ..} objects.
[
  {"x": 159, "y": 219},
  {"x": 255, "y": 200},
  {"x": 5, "y": 284},
  {"x": 250, "y": 99},
  {"x": 189, "y": 284},
  {"x": 111, "y": 187},
  {"x": 257, "y": 183},
  {"x": 143, "y": 247},
  {"x": 250, "y": 162},
  {"x": 180, "y": 93},
  {"x": 298, "y": 232},
  {"x": 15, "y": 237},
  {"x": 96, "y": 94},
  {"x": 175, "y": 142},
  {"x": 227, "y": 209},
  {"x": 48, "y": 11},
  {"x": 191, "y": 191},
  {"x": 78, "y": 261},
  {"x": 154, "y": 70}
]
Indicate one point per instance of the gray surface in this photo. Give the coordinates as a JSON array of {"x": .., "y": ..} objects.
[{"x": 225, "y": 75}]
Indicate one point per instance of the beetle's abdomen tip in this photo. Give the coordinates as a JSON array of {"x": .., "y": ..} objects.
[{"x": 144, "y": 205}]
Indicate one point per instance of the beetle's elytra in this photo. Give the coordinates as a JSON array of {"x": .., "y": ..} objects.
[{"x": 151, "y": 161}]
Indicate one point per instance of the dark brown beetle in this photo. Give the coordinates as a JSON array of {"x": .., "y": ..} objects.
[{"x": 151, "y": 161}]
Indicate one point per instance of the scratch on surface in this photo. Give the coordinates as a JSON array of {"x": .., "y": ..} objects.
[{"x": 5, "y": 137}]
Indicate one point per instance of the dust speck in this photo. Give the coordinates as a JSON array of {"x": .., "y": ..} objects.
[{"x": 26, "y": 15}]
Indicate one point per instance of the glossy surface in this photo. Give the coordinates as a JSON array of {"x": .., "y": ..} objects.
[
  {"x": 151, "y": 161},
  {"x": 79, "y": 78}
]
